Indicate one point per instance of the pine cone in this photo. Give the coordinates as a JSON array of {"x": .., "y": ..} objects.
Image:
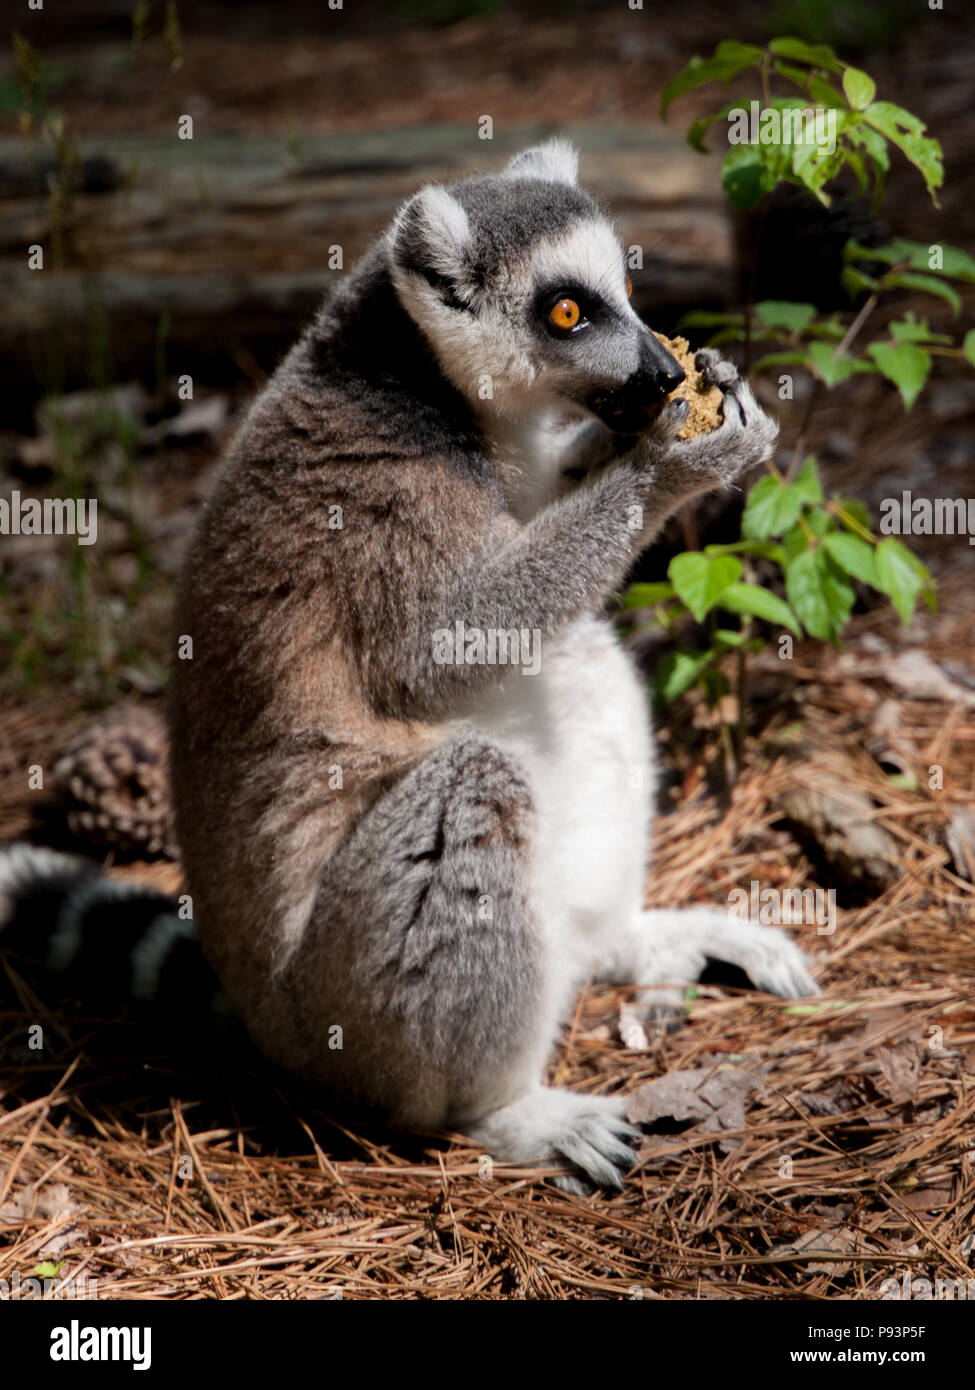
[{"x": 113, "y": 779}]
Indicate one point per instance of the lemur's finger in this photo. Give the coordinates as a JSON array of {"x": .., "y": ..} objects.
[
  {"x": 735, "y": 396},
  {"x": 666, "y": 421},
  {"x": 744, "y": 398},
  {"x": 673, "y": 415},
  {"x": 718, "y": 371},
  {"x": 715, "y": 370}
]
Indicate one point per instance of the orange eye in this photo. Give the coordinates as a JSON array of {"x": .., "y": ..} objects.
[
  {"x": 629, "y": 287},
  {"x": 565, "y": 314}
]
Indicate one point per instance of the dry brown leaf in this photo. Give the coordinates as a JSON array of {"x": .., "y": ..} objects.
[
  {"x": 916, "y": 675},
  {"x": 927, "y": 1199},
  {"x": 835, "y": 1099},
  {"x": 51, "y": 1203},
  {"x": 821, "y": 1243},
  {"x": 900, "y": 1068},
  {"x": 714, "y": 1097}
]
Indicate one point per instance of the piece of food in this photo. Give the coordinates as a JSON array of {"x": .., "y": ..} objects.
[{"x": 705, "y": 402}]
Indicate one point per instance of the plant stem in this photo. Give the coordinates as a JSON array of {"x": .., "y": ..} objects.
[
  {"x": 848, "y": 519},
  {"x": 855, "y": 326},
  {"x": 811, "y": 403},
  {"x": 867, "y": 309},
  {"x": 731, "y": 762},
  {"x": 688, "y": 526},
  {"x": 752, "y": 277},
  {"x": 741, "y": 681}
]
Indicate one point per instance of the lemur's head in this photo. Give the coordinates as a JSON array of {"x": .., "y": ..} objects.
[{"x": 519, "y": 283}]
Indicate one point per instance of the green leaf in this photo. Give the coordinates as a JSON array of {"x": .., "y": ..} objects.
[
  {"x": 906, "y": 131},
  {"x": 854, "y": 556},
  {"x": 781, "y": 313},
  {"x": 768, "y": 550},
  {"x": 678, "y": 671},
  {"x": 800, "y": 76},
  {"x": 772, "y": 507},
  {"x": 813, "y": 168},
  {"x": 807, "y": 482},
  {"x": 959, "y": 265},
  {"x": 930, "y": 284},
  {"x": 830, "y": 368},
  {"x": 817, "y": 55},
  {"x": 855, "y": 162},
  {"x": 697, "y": 130},
  {"x": 912, "y": 330},
  {"x": 956, "y": 264},
  {"x": 859, "y": 88},
  {"x": 728, "y": 637},
  {"x": 905, "y": 364},
  {"x": 815, "y": 86},
  {"x": 745, "y": 55},
  {"x": 645, "y": 595},
  {"x": 745, "y": 176},
  {"x": 727, "y": 335},
  {"x": 699, "y": 579},
  {"x": 856, "y": 282},
  {"x": 874, "y": 144},
  {"x": 820, "y": 593},
  {"x": 853, "y": 251},
  {"x": 823, "y": 93},
  {"x": 855, "y": 510},
  {"x": 832, "y": 328},
  {"x": 794, "y": 542},
  {"x": 819, "y": 522},
  {"x": 725, "y": 63},
  {"x": 781, "y": 359},
  {"x": 900, "y": 575},
  {"x": 759, "y": 603},
  {"x": 968, "y": 346},
  {"x": 704, "y": 318}
]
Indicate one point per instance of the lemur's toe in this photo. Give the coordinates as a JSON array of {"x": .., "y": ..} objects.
[
  {"x": 600, "y": 1142},
  {"x": 776, "y": 964}
]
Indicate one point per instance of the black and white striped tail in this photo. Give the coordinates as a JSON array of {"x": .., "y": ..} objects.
[{"x": 109, "y": 943}]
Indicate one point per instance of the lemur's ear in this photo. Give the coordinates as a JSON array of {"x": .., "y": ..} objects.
[
  {"x": 556, "y": 162},
  {"x": 429, "y": 238}
]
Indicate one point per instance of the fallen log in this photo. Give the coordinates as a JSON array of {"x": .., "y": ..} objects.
[{"x": 206, "y": 255}]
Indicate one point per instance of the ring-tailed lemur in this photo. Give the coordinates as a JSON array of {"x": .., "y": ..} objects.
[{"x": 406, "y": 853}]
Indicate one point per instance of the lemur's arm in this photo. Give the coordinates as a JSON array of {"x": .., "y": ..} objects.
[{"x": 577, "y": 551}]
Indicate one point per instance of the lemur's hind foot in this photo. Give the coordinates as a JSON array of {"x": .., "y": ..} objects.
[
  {"x": 669, "y": 948},
  {"x": 591, "y": 1132}
]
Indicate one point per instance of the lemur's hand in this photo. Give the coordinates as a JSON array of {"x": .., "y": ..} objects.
[{"x": 688, "y": 467}]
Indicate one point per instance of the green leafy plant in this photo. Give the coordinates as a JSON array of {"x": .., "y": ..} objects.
[
  {"x": 864, "y": 127},
  {"x": 814, "y": 548}
]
